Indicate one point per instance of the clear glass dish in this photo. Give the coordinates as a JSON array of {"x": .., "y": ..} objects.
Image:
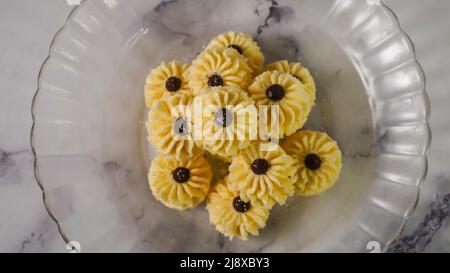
[{"x": 88, "y": 137}]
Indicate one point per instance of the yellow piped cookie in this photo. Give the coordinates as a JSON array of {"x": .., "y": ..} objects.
[
  {"x": 227, "y": 124},
  {"x": 287, "y": 100},
  {"x": 219, "y": 67},
  {"x": 169, "y": 127},
  {"x": 319, "y": 159},
  {"x": 296, "y": 70},
  {"x": 232, "y": 216},
  {"x": 180, "y": 184},
  {"x": 264, "y": 172},
  {"x": 244, "y": 44},
  {"x": 166, "y": 80}
]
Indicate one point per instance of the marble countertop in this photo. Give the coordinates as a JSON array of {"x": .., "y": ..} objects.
[{"x": 26, "y": 226}]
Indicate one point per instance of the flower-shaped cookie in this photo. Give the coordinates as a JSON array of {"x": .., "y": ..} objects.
[
  {"x": 180, "y": 184},
  {"x": 166, "y": 80},
  {"x": 229, "y": 121},
  {"x": 219, "y": 67},
  {"x": 296, "y": 70},
  {"x": 244, "y": 44},
  {"x": 169, "y": 127},
  {"x": 264, "y": 172},
  {"x": 233, "y": 216},
  {"x": 319, "y": 160},
  {"x": 288, "y": 103}
]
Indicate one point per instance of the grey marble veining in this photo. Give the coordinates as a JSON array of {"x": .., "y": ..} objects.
[
  {"x": 28, "y": 227},
  {"x": 428, "y": 228},
  {"x": 276, "y": 14},
  {"x": 436, "y": 219}
]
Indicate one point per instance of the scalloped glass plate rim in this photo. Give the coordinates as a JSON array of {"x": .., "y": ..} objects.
[{"x": 35, "y": 159}]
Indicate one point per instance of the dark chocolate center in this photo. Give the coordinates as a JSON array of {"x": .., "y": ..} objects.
[
  {"x": 238, "y": 48},
  {"x": 215, "y": 80},
  {"x": 313, "y": 162},
  {"x": 275, "y": 92},
  {"x": 181, "y": 175},
  {"x": 224, "y": 117},
  {"x": 240, "y": 205},
  {"x": 260, "y": 166},
  {"x": 173, "y": 84}
]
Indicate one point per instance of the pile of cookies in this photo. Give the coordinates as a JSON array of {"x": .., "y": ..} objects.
[{"x": 224, "y": 81}]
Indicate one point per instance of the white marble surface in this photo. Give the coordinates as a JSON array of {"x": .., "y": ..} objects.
[
  {"x": 28, "y": 227},
  {"x": 25, "y": 225},
  {"x": 429, "y": 227}
]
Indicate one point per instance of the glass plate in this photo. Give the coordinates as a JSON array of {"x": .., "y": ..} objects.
[{"x": 88, "y": 137}]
